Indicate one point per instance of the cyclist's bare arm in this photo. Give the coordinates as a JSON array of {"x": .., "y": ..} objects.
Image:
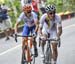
[
  {"x": 59, "y": 31},
  {"x": 59, "y": 28},
  {"x": 16, "y": 26}
]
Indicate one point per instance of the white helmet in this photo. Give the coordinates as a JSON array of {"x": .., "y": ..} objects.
[{"x": 50, "y": 8}]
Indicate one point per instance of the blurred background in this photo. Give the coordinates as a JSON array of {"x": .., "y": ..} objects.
[
  {"x": 61, "y": 5},
  {"x": 10, "y": 51}
]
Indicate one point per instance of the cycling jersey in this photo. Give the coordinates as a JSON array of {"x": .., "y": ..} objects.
[
  {"x": 52, "y": 29},
  {"x": 28, "y": 21},
  {"x": 29, "y": 25}
]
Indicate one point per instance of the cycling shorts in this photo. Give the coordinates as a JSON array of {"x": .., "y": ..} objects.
[{"x": 27, "y": 30}]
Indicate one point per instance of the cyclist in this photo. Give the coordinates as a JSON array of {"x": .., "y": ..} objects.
[
  {"x": 35, "y": 7},
  {"x": 50, "y": 25},
  {"x": 31, "y": 25}
]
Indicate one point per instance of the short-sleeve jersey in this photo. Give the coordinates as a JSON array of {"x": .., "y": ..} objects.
[
  {"x": 28, "y": 21},
  {"x": 52, "y": 27}
]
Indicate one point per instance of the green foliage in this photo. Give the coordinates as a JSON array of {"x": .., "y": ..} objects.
[
  {"x": 50, "y": 2},
  {"x": 16, "y": 7},
  {"x": 61, "y": 5}
]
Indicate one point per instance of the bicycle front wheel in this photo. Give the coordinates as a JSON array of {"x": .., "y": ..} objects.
[{"x": 48, "y": 54}]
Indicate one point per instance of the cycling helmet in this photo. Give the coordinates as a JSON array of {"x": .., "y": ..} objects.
[
  {"x": 27, "y": 8},
  {"x": 50, "y": 8}
]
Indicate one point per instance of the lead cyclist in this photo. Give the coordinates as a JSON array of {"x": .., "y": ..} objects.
[
  {"x": 30, "y": 25},
  {"x": 50, "y": 25}
]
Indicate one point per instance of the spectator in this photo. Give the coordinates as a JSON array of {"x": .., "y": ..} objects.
[
  {"x": 6, "y": 25},
  {"x": 35, "y": 7}
]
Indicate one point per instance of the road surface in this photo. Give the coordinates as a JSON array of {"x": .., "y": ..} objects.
[{"x": 10, "y": 51}]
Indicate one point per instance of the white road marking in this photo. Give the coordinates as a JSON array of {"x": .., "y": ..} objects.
[
  {"x": 69, "y": 26},
  {"x": 20, "y": 44},
  {"x": 9, "y": 50}
]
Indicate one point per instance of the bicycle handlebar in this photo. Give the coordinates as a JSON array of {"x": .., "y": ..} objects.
[
  {"x": 49, "y": 39},
  {"x": 23, "y": 36}
]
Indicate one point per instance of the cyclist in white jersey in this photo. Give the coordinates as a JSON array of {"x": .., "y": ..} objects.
[
  {"x": 31, "y": 25},
  {"x": 50, "y": 25}
]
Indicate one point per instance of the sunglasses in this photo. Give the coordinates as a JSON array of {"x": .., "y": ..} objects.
[{"x": 51, "y": 13}]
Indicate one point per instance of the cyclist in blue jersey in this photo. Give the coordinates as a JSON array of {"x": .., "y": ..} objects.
[{"x": 30, "y": 25}]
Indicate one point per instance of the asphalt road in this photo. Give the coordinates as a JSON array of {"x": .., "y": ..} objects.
[{"x": 10, "y": 51}]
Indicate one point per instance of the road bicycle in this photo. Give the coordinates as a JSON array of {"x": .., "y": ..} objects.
[
  {"x": 30, "y": 48},
  {"x": 48, "y": 52}
]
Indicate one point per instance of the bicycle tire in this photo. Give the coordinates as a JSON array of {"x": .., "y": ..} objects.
[
  {"x": 48, "y": 54},
  {"x": 23, "y": 61},
  {"x": 33, "y": 59},
  {"x": 26, "y": 62}
]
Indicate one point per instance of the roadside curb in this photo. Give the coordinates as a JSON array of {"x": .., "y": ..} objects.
[{"x": 63, "y": 17}]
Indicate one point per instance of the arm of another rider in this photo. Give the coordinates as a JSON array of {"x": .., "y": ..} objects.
[{"x": 59, "y": 28}]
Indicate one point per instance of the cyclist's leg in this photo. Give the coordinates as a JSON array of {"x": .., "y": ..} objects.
[
  {"x": 23, "y": 50},
  {"x": 26, "y": 31},
  {"x": 55, "y": 51},
  {"x": 53, "y": 35},
  {"x": 34, "y": 43},
  {"x": 44, "y": 35},
  {"x": 54, "y": 47},
  {"x": 35, "y": 48},
  {"x": 42, "y": 43}
]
